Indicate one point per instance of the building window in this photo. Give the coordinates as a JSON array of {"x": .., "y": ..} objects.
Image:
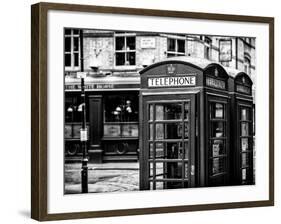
[
  {"x": 247, "y": 65},
  {"x": 175, "y": 47},
  {"x": 125, "y": 49},
  {"x": 121, "y": 115},
  {"x": 207, "y": 48},
  {"x": 71, "y": 48}
]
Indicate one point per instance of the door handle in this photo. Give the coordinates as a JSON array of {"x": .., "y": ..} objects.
[{"x": 192, "y": 172}]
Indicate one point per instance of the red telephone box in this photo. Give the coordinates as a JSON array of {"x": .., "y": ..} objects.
[{"x": 184, "y": 124}]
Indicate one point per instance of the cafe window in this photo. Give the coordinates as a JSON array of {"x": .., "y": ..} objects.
[
  {"x": 175, "y": 47},
  {"x": 71, "y": 48},
  {"x": 207, "y": 47},
  {"x": 125, "y": 49},
  {"x": 73, "y": 117},
  {"x": 121, "y": 115}
]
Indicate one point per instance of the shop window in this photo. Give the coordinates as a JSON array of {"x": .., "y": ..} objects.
[
  {"x": 121, "y": 115},
  {"x": 207, "y": 47},
  {"x": 125, "y": 49},
  {"x": 73, "y": 117},
  {"x": 175, "y": 47},
  {"x": 71, "y": 48}
]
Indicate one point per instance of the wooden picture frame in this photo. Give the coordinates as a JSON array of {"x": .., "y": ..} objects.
[{"x": 39, "y": 109}]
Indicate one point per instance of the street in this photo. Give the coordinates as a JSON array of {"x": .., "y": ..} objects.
[{"x": 105, "y": 177}]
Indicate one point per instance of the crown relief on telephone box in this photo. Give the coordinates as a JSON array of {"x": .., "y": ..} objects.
[{"x": 163, "y": 111}]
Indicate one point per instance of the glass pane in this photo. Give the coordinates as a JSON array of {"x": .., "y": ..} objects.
[
  {"x": 159, "y": 112},
  {"x": 131, "y": 58},
  {"x": 67, "y": 44},
  {"x": 244, "y": 144},
  {"x": 112, "y": 130},
  {"x": 131, "y": 43},
  {"x": 75, "y": 44},
  {"x": 151, "y": 151},
  {"x": 181, "y": 46},
  {"x": 67, "y": 59},
  {"x": 245, "y": 159},
  {"x": 186, "y": 111},
  {"x": 159, "y": 150},
  {"x": 174, "y": 170},
  {"x": 244, "y": 174},
  {"x": 120, "y": 58},
  {"x": 150, "y": 112},
  {"x": 76, "y": 32},
  {"x": 159, "y": 131},
  {"x": 150, "y": 131},
  {"x": 121, "y": 108},
  {"x": 68, "y": 131},
  {"x": 244, "y": 129},
  {"x": 159, "y": 185},
  {"x": 170, "y": 131},
  {"x": 217, "y": 148},
  {"x": 217, "y": 110},
  {"x": 218, "y": 165},
  {"x": 217, "y": 129},
  {"x": 159, "y": 171},
  {"x": 171, "y": 111},
  {"x": 245, "y": 114},
  {"x": 171, "y": 45},
  {"x": 120, "y": 43},
  {"x": 67, "y": 31},
  {"x": 186, "y": 130},
  {"x": 76, "y": 59},
  {"x": 130, "y": 130}
]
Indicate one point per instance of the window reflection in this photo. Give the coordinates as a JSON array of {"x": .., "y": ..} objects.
[
  {"x": 171, "y": 111},
  {"x": 217, "y": 110},
  {"x": 244, "y": 129},
  {"x": 121, "y": 108}
]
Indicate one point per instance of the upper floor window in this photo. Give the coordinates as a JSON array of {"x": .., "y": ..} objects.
[
  {"x": 207, "y": 47},
  {"x": 71, "y": 48},
  {"x": 125, "y": 49},
  {"x": 175, "y": 47},
  {"x": 247, "y": 65}
]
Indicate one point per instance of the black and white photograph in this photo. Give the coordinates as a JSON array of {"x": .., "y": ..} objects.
[{"x": 157, "y": 111}]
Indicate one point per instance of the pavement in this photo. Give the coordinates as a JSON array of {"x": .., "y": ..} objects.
[{"x": 105, "y": 177}]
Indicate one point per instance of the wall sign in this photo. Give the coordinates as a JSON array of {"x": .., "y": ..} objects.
[
  {"x": 172, "y": 81},
  {"x": 219, "y": 84},
  {"x": 148, "y": 42},
  {"x": 100, "y": 86}
]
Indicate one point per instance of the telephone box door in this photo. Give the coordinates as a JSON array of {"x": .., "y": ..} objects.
[{"x": 168, "y": 144}]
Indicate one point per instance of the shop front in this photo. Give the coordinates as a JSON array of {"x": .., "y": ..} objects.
[
  {"x": 112, "y": 119},
  {"x": 185, "y": 125}
]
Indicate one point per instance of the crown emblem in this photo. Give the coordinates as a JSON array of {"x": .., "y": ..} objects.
[
  {"x": 216, "y": 72},
  {"x": 171, "y": 69}
]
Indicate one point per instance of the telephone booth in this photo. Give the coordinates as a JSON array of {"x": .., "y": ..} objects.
[
  {"x": 184, "y": 124},
  {"x": 242, "y": 131}
]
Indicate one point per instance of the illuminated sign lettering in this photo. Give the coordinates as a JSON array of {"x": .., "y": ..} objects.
[
  {"x": 172, "y": 81},
  {"x": 215, "y": 83},
  {"x": 243, "y": 89}
]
